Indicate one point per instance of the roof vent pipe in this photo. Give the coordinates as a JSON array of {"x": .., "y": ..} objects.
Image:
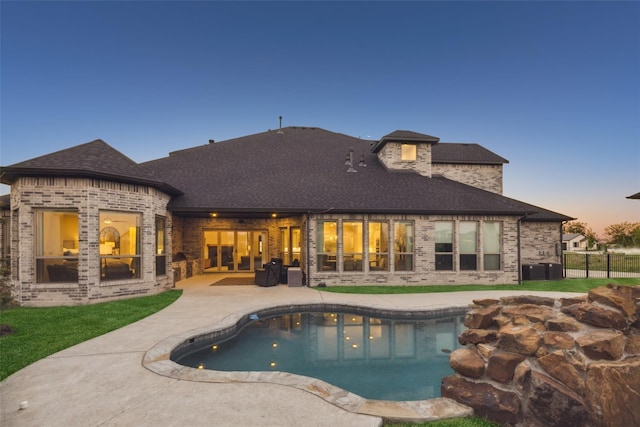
[{"x": 280, "y": 129}]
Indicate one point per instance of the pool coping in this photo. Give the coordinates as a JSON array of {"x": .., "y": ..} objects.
[{"x": 158, "y": 360}]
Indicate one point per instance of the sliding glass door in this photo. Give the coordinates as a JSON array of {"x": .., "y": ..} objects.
[{"x": 234, "y": 250}]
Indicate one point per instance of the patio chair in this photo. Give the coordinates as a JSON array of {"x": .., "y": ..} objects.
[{"x": 269, "y": 275}]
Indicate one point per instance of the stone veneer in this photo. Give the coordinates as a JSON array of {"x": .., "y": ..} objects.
[
  {"x": 88, "y": 197},
  {"x": 535, "y": 361}
]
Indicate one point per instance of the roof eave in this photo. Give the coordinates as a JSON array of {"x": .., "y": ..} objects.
[{"x": 10, "y": 174}]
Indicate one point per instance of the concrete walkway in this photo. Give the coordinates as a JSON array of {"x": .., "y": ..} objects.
[{"x": 102, "y": 382}]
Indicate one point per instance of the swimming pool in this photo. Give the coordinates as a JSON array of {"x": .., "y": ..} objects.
[{"x": 376, "y": 355}]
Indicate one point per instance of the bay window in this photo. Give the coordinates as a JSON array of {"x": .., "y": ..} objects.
[
  {"x": 120, "y": 245},
  {"x": 56, "y": 246},
  {"x": 161, "y": 257}
]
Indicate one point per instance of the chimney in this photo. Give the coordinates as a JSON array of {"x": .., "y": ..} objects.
[{"x": 211, "y": 141}]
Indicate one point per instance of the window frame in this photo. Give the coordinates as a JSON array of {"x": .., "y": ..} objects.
[
  {"x": 350, "y": 258},
  {"x": 487, "y": 251},
  {"x": 160, "y": 254},
  {"x": 468, "y": 259},
  {"x": 111, "y": 265},
  {"x": 326, "y": 259},
  {"x": 400, "y": 253},
  {"x": 66, "y": 264},
  {"x": 378, "y": 259},
  {"x": 441, "y": 252}
]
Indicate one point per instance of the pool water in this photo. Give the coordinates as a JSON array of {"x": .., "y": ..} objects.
[{"x": 375, "y": 358}]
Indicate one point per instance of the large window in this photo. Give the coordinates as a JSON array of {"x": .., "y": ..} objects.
[
  {"x": 491, "y": 245},
  {"x": 161, "y": 257},
  {"x": 403, "y": 245},
  {"x": 327, "y": 237},
  {"x": 352, "y": 244},
  {"x": 56, "y": 246},
  {"x": 444, "y": 245},
  {"x": 120, "y": 243},
  {"x": 378, "y": 246},
  {"x": 468, "y": 245}
]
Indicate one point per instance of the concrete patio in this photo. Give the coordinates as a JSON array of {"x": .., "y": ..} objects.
[{"x": 102, "y": 382}]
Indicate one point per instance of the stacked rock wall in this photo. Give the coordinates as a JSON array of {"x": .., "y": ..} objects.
[{"x": 536, "y": 361}]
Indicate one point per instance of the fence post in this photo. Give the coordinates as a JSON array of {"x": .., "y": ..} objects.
[
  {"x": 586, "y": 264},
  {"x": 608, "y": 265}
]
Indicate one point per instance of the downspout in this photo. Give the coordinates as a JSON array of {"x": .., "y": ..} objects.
[
  {"x": 306, "y": 264},
  {"x": 519, "y": 249}
]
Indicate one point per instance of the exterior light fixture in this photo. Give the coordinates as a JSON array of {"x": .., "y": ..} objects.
[
  {"x": 272, "y": 364},
  {"x": 201, "y": 366},
  {"x": 274, "y": 344},
  {"x": 273, "y": 215},
  {"x": 214, "y": 214}
]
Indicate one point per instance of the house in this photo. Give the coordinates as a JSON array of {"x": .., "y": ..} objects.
[
  {"x": 88, "y": 224},
  {"x": 574, "y": 242}
]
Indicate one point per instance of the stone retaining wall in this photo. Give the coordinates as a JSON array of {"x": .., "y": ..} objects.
[{"x": 535, "y": 361}]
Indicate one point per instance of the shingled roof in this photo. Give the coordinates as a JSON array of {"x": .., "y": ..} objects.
[
  {"x": 95, "y": 159},
  {"x": 464, "y": 154},
  {"x": 298, "y": 170}
]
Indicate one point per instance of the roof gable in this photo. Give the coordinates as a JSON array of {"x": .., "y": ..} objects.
[
  {"x": 92, "y": 159},
  {"x": 405, "y": 136}
]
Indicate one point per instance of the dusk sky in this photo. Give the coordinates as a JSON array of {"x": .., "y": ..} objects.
[{"x": 554, "y": 87}]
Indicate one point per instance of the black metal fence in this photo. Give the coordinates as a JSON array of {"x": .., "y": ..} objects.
[{"x": 600, "y": 265}]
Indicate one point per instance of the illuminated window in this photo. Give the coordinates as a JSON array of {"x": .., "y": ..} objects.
[
  {"x": 403, "y": 246},
  {"x": 56, "y": 246},
  {"x": 161, "y": 257},
  {"x": 120, "y": 243},
  {"x": 327, "y": 238},
  {"x": 409, "y": 153},
  {"x": 378, "y": 246},
  {"x": 352, "y": 244}
]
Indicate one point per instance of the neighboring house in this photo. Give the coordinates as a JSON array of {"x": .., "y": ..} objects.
[
  {"x": 634, "y": 196},
  {"x": 574, "y": 242},
  {"x": 88, "y": 224}
]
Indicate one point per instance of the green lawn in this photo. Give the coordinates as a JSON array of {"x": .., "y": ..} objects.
[
  {"x": 565, "y": 285},
  {"x": 453, "y": 422},
  {"x": 39, "y": 332}
]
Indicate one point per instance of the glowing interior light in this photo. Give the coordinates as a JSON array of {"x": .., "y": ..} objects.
[
  {"x": 354, "y": 346},
  {"x": 274, "y": 345},
  {"x": 214, "y": 347}
]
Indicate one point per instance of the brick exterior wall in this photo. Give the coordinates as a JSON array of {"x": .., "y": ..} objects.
[
  {"x": 391, "y": 157},
  {"x": 424, "y": 271},
  {"x": 540, "y": 242},
  {"x": 486, "y": 177},
  {"x": 88, "y": 197}
]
